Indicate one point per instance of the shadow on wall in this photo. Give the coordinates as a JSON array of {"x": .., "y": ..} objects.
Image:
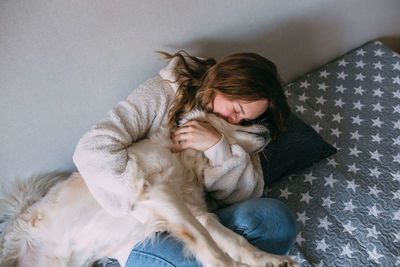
[{"x": 296, "y": 46}]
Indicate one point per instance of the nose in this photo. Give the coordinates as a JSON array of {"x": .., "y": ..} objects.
[{"x": 232, "y": 120}]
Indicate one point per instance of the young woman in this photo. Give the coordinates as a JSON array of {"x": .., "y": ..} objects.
[{"x": 242, "y": 88}]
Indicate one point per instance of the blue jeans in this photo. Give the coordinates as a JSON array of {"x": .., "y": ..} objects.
[{"x": 266, "y": 223}]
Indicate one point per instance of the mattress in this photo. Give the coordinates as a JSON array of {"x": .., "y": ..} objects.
[{"x": 348, "y": 205}]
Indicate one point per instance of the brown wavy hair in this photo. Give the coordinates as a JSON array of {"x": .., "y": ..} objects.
[{"x": 241, "y": 76}]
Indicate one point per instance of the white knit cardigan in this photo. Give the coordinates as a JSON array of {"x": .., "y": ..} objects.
[{"x": 102, "y": 159}]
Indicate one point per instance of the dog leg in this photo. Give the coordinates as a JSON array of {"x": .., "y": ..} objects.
[
  {"x": 175, "y": 217},
  {"x": 238, "y": 248}
]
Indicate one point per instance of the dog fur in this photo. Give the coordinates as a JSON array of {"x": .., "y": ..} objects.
[{"x": 54, "y": 220}]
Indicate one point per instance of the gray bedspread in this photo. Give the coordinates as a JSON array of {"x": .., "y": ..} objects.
[{"x": 348, "y": 206}]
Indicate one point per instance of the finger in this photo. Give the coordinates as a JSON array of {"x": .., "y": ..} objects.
[
  {"x": 179, "y": 147},
  {"x": 179, "y": 138}
]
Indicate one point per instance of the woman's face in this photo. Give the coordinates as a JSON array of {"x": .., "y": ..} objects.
[{"x": 236, "y": 111}]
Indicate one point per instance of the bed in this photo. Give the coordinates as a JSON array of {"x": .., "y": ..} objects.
[
  {"x": 338, "y": 167},
  {"x": 348, "y": 205}
]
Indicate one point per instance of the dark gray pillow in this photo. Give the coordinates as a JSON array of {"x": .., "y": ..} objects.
[{"x": 294, "y": 150}]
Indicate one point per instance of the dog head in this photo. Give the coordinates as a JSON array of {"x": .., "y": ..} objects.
[{"x": 251, "y": 138}]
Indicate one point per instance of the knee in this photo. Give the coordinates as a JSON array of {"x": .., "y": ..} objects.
[{"x": 269, "y": 220}]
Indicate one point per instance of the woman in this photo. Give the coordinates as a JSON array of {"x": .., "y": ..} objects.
[{"x": 241, "y": 88}]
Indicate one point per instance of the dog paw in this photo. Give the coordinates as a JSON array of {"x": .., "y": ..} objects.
[
  {"x": 269, "y": 260},
  {"x": 282, "y": 261}
]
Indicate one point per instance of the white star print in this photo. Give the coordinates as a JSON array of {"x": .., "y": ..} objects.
[
  {"x": 342, "y": 75},
  {"x": 377, "y": 107},
  {"x": 378, "y": 92},
  {"x": 396, "y": 215},
  {"x": 329, "y": 180},
  {"x": 305, "y": 197},
  {"x": 339, "y": 103},
  {"x": 343, "y": 63},
  {"x": 396, "y": 195},
  {"x": 287, "y": 93},
  {"x": 396, "y": 124},
  {"x": 352, "y": 185},
  {"x": 374, "y": 191},
  {"x": 322, "y": 86},
  {"x": 372, "y": 232},
  {"x": 321, "y": 245},
  {"x": 324, "y": 223},
  {"x": 355, "y": 135},
  {"x": 396, "y": 158},
  {"x": 374, "y": 255},
  {"x": 375, "y": 172},
  {"x": 300, "y": 109},
  {"x": 337, "y": 117},
  {"x": 360, "y": 52},
  {"x": 376, "y": 138},
  {"x": 396, "y": 109},
  {"x": 320, "y": 100},
  {"x": 354, "y": 151},
  {"x": 317, "y": 128},
  {"x": 378, "y": 78},
  {"x": 324, "y": 74},
  {"x": 303, "y": 97},
  {"x": 396, "y": 175},
  {"x": 346, "y": 251},
  {"x": 378, "y": 65},
  {"x": 360, "y": 64},
  {"x": 353, "y": 168},
  {"x": 299, "y": 239},
  {"x": 285, "y": 193},
  {"x": 332, "y": 162},
  {"x": 396, "y": 140},
  {"x": 340, "y": 88},
  {"x": 376, "y": 155},
  {"x": 358, "y": 105},
  {"x": 319, "y": 114},
  {"x": 304, "y": 84},
  {"x": 360, "y": 76},
  {"x": 396, "y": 80},
  {"x": 301, "y": 217},
  {"x": 348, "y": 228},
  {"x": 336, "y": 132},
  {"x": 327, "y": 202},
  {"x": 396, "y": 94},
  {"x": 377, "y": 122},
  {"x": 378, "y": 53},
  {"x": 309, "y": 178},
  {"x": 357, "y": 120},
  {"x": 374, "y": 211},
  {"x": 359, "y": 90},
  {"x": 349, "y": 206},
  {"x": 396, "y": 66}
]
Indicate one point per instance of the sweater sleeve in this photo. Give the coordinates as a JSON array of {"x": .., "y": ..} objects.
[
  {"x": 236, "y": 176},
  {"x": 101, "y": 155}
]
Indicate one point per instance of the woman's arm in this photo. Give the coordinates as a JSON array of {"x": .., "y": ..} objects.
[{"x": 101, "y": 154}]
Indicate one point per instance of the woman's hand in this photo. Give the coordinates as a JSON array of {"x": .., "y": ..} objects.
[{"x": 196, "y": 135}]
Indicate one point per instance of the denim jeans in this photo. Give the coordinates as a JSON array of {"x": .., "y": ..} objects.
[{"x": 266, "y": 223}]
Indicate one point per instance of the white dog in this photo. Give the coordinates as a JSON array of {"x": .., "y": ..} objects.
[{"x": 55, "y": 221}]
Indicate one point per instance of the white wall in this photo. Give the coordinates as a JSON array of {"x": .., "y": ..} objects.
[{"x": 64, "y": 64}]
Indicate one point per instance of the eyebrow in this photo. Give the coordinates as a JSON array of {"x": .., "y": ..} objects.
[{"x": 241, "y": 109}]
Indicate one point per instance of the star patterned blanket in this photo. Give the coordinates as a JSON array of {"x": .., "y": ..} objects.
[{"x": 348, "y": 206}]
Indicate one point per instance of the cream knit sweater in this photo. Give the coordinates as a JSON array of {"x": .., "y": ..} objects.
[{"x": 102, "y": 159}]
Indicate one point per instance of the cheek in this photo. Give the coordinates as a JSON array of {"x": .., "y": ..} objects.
[{"x": 221, "y": 109}]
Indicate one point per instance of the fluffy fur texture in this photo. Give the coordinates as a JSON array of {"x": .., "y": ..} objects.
[{"x": 54, "y": 220}]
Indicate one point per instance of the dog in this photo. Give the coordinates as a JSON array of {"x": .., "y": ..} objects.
[{"x": 55, "y": 221}]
